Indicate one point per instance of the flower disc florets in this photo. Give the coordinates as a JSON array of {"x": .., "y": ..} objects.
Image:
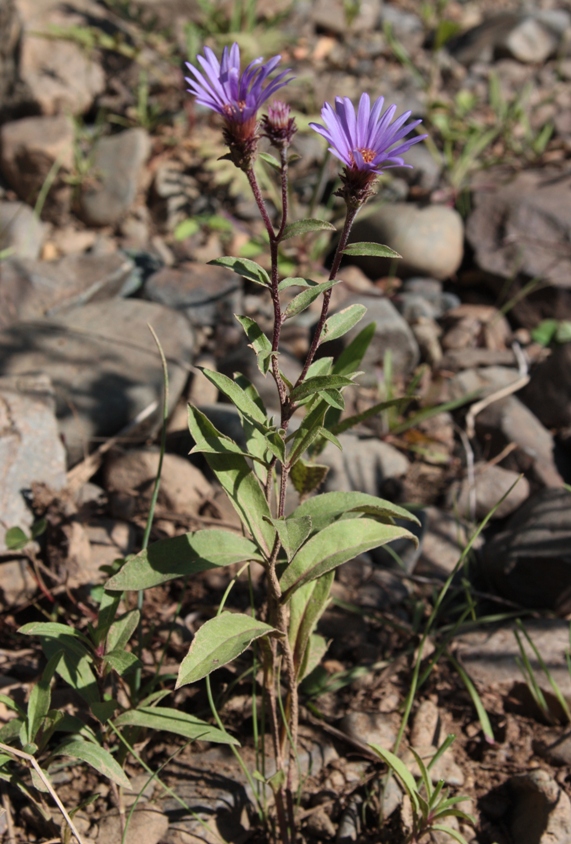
[
  {"x": 367, "y": 142},
  {"x": 236, "y": 95}
]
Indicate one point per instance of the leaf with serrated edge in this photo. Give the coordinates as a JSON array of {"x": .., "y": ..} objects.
[
  {"x": 234, "y": 474},
  {"x": 327, "y": 508},
  {"x": 244, "y": 267},
  {"x": 258, "y": 342},
  {"x": 304, "y": 299},
  {"x": 161, "y": 718},
  {"x": 339, "y": 324},
  {"x": 306, "y": 226},
  {"x": 218, "y": 642},
  {"x": 181, "y": 556},
  {"x": 335, "y": 544},
  {"x": 374, "y": 250}
]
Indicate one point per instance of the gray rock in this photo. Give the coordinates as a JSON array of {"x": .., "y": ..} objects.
[
  {"x": 510, "y": 421},
  {"x": 147, "y": 825},
  {"x": 332, "y": 16},
  {"x": 548, "y": 393},
  {"x": 491, "y": 656},
  {"x": 207, "y": 294},
  {"x": 530, "y": 561},
  {"x": 103, "y": 363},
  {"x": 371, "y": 728},
  {"x": 30, "y": 449},
  {"x": 20, "y": 230},
  {"x": 542, "y": 810},
  {"x": 430, "y": 240},
  {"x": 29, "y": 149},
  {"x": 130, "y": 476},
  {"x": 530, "y": 42},
  {"x": 519, "y": 225},
  {"x": 424, "y": 297},
  {"x": 32, "y": 289},
  {"x": 118, "y": 163},
  {"x": 479, "y": 41},
  {"x": 57, "y": 75},
  {"x": 443, "y": 542},
  {"x": 362, "y": 465},
  {"x": 106, "y": 540},
  {"x": 490, "y": 484},
  {"x": 392, "y": 333},
  {"x": 426, "y": 167},
  {"x": 558, "y": 751}
]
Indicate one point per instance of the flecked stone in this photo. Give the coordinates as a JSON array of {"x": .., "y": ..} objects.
[
  {"x": 362, "y": 465},
  {"x": 30, "y": 448},
  {"x": 103, "y": 363},
  {"x": 29, "y": 149},
  {"x": 542, "y": 810},
  {"x": 370, "y": 728},
  {"x": 530, "y": 42},
  {"x": 205, "y": 293},
  {"x": 430, "y": 240},
  {"x": 33, "y": 289},
  {"x": 20, "y": 230},
  {"x": 118, "y": 163},
  {"x": 490, "y": 484}
]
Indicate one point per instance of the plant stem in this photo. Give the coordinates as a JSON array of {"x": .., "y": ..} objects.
[{"x": 349, "y": 220}]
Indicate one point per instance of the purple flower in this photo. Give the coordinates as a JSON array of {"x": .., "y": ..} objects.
[
  {"x": 236, "y": 96},
  {"x": 367, "y": 141}
]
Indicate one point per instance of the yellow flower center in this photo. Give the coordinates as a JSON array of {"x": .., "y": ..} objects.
[{"x": 368, "y": 154}]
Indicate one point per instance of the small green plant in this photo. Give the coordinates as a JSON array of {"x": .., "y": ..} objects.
[
  {"x": 430, "y": 804},
  {"x": 531, "y": 680},
  {"x": 552, "y": 331}
]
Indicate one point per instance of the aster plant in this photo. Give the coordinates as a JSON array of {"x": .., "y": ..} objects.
[{"x": 299, "y": 547}]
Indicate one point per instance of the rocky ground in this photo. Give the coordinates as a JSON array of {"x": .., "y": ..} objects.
[{"x": 112, "y": 198}]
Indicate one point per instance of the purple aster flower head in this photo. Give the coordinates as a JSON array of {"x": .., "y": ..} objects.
[
  {"x": 278, "y": 126},
  {"x": 236, "y": 95},
  {"x": 367, "y": 142}
]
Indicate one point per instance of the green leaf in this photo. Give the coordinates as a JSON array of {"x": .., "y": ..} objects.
[
  {"x": 340, "y": 323},
  {"x": 375, "y": 250},
  {"x": 237, "y": 396},
  {"x": 95, "y": 756},
  {"x": 294, "y": 281},
  {"x": 108, "y": 606},
  {"x": 351, "y": 357},
  {"x": 170, "y": 720},
  {"x": 399, "y": 768},
  {"x": 16, "y": 539},
  {"x": 121, "y": 631},
  {"x": 306, "y": 608},
  {"x": 181, "y": 556},
  {"x": 351, "y": 421},
  {"x": 306, "y": 226},
  {"x": 304, "y": 299},
  {"x": 75, "y": 667},
  {"x": 52, "y": 629},
  {"x": 335, "y": 544},
  {"x": 563, "y": 333},
  {"x": 40, "y": 698},
  {"x": 327, "y": 508},
  {"x": 246, "y": 268},
  {"x": 308, "y": 431},
  {"x": 307, "y": 477},
  {"x": 314, "y": 653},
  {"x": 122, "y": 661},
  {"x": 334, "y": 398},
  {"x": 104, "y": 710},
  {"x": 11, "y": 730},
  {"x": 318, "y": 384},
  {"x": 258, "y": 342},
  {"x": 292, "y": 533},
  {"x": 40, "y": 526},
  {"x": 327, "y": 435},
  {"x": 11, "y": 704},
  {"x": 234, "y": 475},
  {"x": 217, "y": 642},
  {"x": 186, "y": 228},
  {"x": 271, "y": 160}
]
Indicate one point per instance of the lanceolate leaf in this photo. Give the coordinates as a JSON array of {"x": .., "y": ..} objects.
[
  {"x": 121, "y": 630},
  {"x": 308, "y": 431},
  {"x": 237, "y": 396},
  {"x": 327, "y": 508},
  {"x": 350, "y": 358},
  {"x": 292, "y": 533},
  {"x": 258, "y": 341},
  {"x": 95, "y": 756},
  {"x": 339, "y": 324},
  {"x": 306, "y": 608},
  {"x": 173, "y": 721},
  {"x": 246, "y": 268},
  {"x": 334, "y": 545},
  {"x": 234, "y": 475},
  {"x": 307, "y": 477},
  {"x": 75, "y": 666},
  {"x": 304, "y": 299},
  {"x": 376, "y": 250},
  {"x": 319, "y": 383},
  {"x": 399, "y": 768},
  {"x": 40, "y": 698},
  {"x": 218, "y": 642},
  {"x": 181, "y": 556},
  {"x": 271, "y": 160},
  {"x": 122, "y": 661},
  {"x": 305, "y": 226},
  {"x": 351, "y": 421}
]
